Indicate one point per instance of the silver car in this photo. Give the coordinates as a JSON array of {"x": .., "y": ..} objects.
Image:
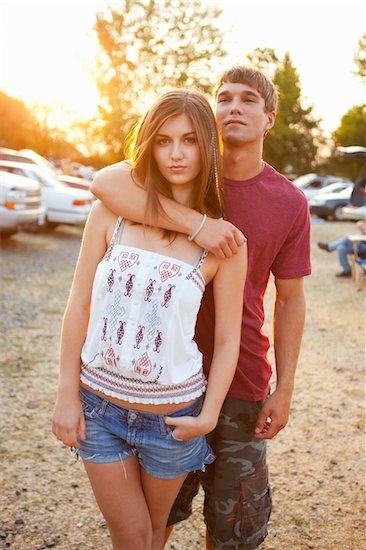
[{"x": 20, "y": 203}]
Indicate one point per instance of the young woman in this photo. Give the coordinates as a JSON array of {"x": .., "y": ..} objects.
[{"x": 132, "y": 396}]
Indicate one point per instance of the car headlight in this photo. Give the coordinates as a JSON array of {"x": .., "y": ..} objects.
[{"x": 14, "y": 195}]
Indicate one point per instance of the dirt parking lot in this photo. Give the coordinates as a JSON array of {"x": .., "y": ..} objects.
[{"x": 317, "y": 463}]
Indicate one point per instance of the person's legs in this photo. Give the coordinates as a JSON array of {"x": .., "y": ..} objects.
[
  {"x": 238, "y": 502},
  {"x": 343, "y": 250},
  {"x": 182, "y": 507},
  {"x": 160, "y": 495},
  {"x": 339, "y": 242},
  {"x": 333, "y": 245},
  {"x": 120, "y": 497}
]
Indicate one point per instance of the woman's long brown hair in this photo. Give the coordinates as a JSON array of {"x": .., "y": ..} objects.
[{"x": 207, "y": 196}]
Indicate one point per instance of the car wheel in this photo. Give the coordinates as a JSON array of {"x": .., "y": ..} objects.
[{"x": 337, "y": 213}]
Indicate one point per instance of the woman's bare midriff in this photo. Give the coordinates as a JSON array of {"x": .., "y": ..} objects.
[{"x": 166, "y": 408}]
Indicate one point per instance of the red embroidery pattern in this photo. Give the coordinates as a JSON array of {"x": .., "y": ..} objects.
[
  {"x": 127, "y": 259},
  {"x": 129, "y": 285},
  {"x": 118, "y": 384},
  {"x": 167, "y": 270},
  {"x": 139, "y": 337},
  {"x": 110, "y": 280},
  {"x": 143, "y": 365},
  {"x": 158, "y": 341},
  {"x": 110, "y": 357},
  {"x": 168, "y": 295},
  {"x": 149, "y": 290},
  {"x": 120, "y": 332}
]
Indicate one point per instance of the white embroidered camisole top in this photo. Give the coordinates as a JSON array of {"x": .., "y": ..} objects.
[{"x": 139, "y": 345}]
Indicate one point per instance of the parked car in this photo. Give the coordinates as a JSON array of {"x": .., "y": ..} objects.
[
  {"x": 358, "y": 197},
  {"x": 74, "y": 181},
  {"x": 329, "y": 205},
  {"x": 354, "y": 212},
  {"x": 63, "y": 204},
  {"x": 31, "y": 157},
  {"x": 20, "y": 203},
  {"x": 310, "y": 184}
]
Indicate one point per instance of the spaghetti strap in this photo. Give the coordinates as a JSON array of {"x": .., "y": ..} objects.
[
  {"x": 200, "y": 259},
  {"x": 117, "y": 233}
]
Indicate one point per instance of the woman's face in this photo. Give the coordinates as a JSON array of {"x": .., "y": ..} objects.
[{"x": 176, "y": 152}]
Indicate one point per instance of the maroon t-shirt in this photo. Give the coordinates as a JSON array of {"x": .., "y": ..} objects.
[{"x": 274, "y": 216}]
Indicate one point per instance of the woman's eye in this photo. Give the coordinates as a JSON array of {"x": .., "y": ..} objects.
[
  {"x": 190, "y": 140},
  {"x": 162, "y": 141}
]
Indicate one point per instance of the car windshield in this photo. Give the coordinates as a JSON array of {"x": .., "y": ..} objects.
[
  {"x": 335, "y": 188},
  {"x": 44, "y": 178},
  {"x": 303, "y": 181}
]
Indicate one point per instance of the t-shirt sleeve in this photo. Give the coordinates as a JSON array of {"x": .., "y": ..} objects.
[{"x": 293, "y": 258}]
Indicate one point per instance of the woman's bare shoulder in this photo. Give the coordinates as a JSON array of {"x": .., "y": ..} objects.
[{"x": 118, "y": 169}]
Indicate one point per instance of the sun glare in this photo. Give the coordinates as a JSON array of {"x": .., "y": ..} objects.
[{"x": 48, "y": 50}]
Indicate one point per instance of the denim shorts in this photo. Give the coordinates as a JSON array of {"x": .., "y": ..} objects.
[{"x": 114, "y": 433}]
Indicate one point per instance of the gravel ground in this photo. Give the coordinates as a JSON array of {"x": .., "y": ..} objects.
[{"x": 317, "y": 463}]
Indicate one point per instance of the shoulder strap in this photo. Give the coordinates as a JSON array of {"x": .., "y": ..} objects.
[
  {"x": 117, "y": 233},
  {"x": 200, "y": 259}
]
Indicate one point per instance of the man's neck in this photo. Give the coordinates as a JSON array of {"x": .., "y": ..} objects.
[{"x": 242, "y": 164}]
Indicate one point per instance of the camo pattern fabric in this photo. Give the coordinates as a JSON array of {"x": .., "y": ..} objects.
[{"x": 237, "y": 494}]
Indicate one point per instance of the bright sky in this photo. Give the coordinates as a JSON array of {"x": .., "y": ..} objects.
[{"x": 47, "y": 48}]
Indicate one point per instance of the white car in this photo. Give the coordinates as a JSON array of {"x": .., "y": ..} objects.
[
  {"x": 354, "y": 212},
  {"x": 311, "y": 184},
  {"x": 63, "y": 204},
  {"x": 20, "y": 203}
]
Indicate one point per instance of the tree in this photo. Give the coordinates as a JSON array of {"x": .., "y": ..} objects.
[
  {"x": 294, "y": 139},
  {"x": 148, "y": 47},
  {"x": 17, "y": 124},
  {"x": 352, "y": 128},
  {"x": 29, "y": 128},
  {"x": 360, "y": 59},
  {"x": 351, "y": 131}
]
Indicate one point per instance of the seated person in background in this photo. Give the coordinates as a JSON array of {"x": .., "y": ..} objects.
[{"x": 345, "y": 246}]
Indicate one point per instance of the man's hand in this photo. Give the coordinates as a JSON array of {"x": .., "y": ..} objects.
[
  {"x": 220, "y": 237},
  {"x": 273, "y": 416}
]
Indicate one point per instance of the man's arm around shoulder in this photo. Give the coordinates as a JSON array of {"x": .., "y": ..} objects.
[{"x": 116, "y": 188}]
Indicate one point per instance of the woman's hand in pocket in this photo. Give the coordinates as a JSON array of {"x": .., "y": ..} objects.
[{"x": 188, "y": 427}]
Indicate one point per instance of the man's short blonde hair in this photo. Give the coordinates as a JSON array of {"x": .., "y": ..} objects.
[{"x": 252, "y": 77}]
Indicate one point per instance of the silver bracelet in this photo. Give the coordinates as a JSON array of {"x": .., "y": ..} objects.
[{"x": 202, "y": 223}]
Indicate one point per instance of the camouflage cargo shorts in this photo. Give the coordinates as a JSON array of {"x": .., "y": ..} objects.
[{"x": 237, "y": 494}]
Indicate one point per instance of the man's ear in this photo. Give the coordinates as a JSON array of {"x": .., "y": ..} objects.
[{"x": 271, "y": 118}]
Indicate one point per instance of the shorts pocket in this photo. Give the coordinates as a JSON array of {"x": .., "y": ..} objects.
[
  {"x": 89, "y": 410},
  {"x": 254, "y": 507}
]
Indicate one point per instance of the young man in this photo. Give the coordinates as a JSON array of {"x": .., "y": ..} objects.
[{"x": 274, "y": 216}]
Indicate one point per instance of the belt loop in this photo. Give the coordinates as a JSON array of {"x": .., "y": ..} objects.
[
  {"x": 103, "y": 407},
  {"x": 162, "y": 425}
]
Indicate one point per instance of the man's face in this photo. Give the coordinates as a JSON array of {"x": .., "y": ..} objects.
[{"x": 241, "y": 115}]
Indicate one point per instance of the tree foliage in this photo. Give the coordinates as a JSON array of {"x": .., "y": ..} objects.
[
  {"x": 294, "y": 139},
  {"x": 21, "y": 129},
  {"x": 148, "y": 47},
  {"x": 17, "y": 124},
  {"x": 360, "y": 58},
  {"x": 351, "y": 131}
]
